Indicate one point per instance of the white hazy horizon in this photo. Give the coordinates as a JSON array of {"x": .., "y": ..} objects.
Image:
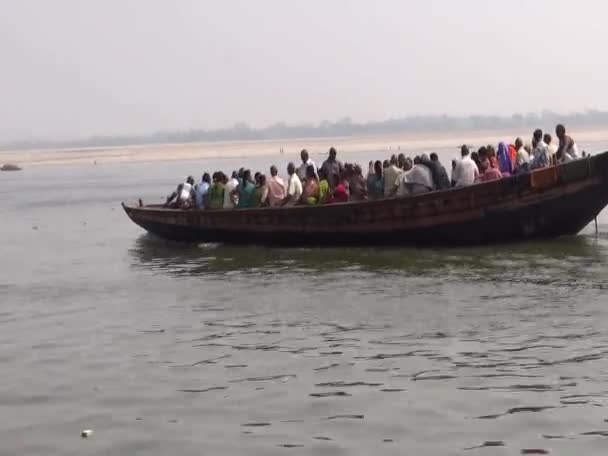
[{"x": 73, "y": 69}]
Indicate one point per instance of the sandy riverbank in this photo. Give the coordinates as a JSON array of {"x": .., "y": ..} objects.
[{"x": 407, "y": 143}]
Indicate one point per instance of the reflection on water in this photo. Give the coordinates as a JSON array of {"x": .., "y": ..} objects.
[{"x": 568, "y": 261}]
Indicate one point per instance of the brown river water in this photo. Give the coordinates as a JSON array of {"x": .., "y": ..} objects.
[{"x": 162, "y": 348}]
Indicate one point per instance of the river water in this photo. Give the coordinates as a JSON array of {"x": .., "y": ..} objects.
[{"x": 163, "y": 348}]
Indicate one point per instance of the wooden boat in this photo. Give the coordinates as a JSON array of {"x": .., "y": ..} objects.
[{"x": 556, "y": 201}]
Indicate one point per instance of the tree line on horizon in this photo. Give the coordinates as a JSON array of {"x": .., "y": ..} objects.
[{"x": 326, "y": 129}]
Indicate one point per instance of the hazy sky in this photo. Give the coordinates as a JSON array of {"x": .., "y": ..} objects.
[{"x": 74, "y": 68}]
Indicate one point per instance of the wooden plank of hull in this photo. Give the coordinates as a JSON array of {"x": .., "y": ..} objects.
[{"x": 499, "y": 211}]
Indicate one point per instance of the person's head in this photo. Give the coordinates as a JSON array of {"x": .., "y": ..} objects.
[
  {"x": 246, "y": 175},
  {"x": 394, "y": 160},
  {"x": 424, "y": 157},
  {"x": 216, "y": 176},
  {"x": 310, "y": 172},
  {"x": 256, "y": 176},
  {"x": 304, "y": 155},
  {"x": 235, "y": 175},
  {"x": 291, "y": 168},
  {"x": 547, "y": 138},
  {"x": 475, "y": 157},
  {"x": 401, "y": 160},
  {"x": 322, "y": 174},
  {"x": 417, "y": 160},
  {"x": 464, "y": 150},
  {"x": 357, "y": 170},
  {"x": 386, "y": 164},
  {"x": 490, "y": 151},
  {"x": 482, "y": 152},
  {"x": 190, "y": 180},
  {"x": 261, "y": 180},
  {"x": 332, "y": 153},
  {"x": 560, "y": 131},
  {"x": 538, "y": 135},
  {"x": 434, "y": 157},
  {"x": 409, "y": 164},
  {"x": 206, "y": 178},
  {"x": 241, "y": 171},
  {"x": 378, "y": 168},
  {"x": 484, "y": 165},
  {"x": 273, "y": 171},
  {"x": 519, "y": 143},
  {"x": 223, "y": 178}
]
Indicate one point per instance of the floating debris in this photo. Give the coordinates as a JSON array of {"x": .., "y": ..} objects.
[{"x": 85, "y": 434}]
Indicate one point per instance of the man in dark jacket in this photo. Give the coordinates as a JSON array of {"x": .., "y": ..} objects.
[{"x": 440, "y": 175}]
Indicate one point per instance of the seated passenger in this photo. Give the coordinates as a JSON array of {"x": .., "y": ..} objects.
[
  {"x": 244, "y": 191},
  {"x": 183, "y": 195},
  {"x": 505, "y": 166},
  {"x": 358, "y": 185},
  {"x": 230, "y": 199},
  {"x": 310, "y": 191},
  {"x": 294, "y": 187},
  {"x": 466, "y": 170},
  {"x": 201, "y": 190},
  {"x": 375, "y": 185},
  {"x": 216, "y": 191},
  {"x": 276, "y": 188},
  {"x": 391, "y": 178},
  {"x": 487, "y": 173},
  {"x": 417, "y": 180},
  {"x": 567, "y": 149},
  {"x": 540, "y": 152},
  {"x": 324, "y": 190},
  {"x": 260, "y": 194},
  {"x": 340, "y": 194}
]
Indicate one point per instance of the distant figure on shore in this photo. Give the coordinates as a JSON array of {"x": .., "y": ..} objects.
[{"x": 9, "y": 167}]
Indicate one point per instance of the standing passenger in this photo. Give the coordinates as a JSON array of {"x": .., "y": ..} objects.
[
  {"x": 276, "y": 188},
  {"x": 306, "y": 162},
  {"x": 332, "y": 167},
  {"x": 466, "y": 170},
  {"x": 440, "y": 175},
  {"x": 294, "y": 187}
]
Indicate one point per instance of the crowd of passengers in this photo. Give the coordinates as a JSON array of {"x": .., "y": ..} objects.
[{"x": 335, "y": 182}]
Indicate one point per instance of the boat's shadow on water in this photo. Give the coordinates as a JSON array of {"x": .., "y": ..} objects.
[{"x": 540, "y": 261}]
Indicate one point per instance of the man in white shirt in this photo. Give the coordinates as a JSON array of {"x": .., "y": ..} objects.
[
  {"x": 306, "y": 161},
  {"x": 391, "y": 178},
  {"x": 294, "y": 187},
  {"x": 232, "y": 183},
  {"x": 466, "y": 170}
]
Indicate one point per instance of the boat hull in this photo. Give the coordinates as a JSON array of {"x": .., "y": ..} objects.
[{"x": 553, "y": 202}]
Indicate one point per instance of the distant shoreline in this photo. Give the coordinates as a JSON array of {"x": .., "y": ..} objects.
[{"x": 389, "y": 143}]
